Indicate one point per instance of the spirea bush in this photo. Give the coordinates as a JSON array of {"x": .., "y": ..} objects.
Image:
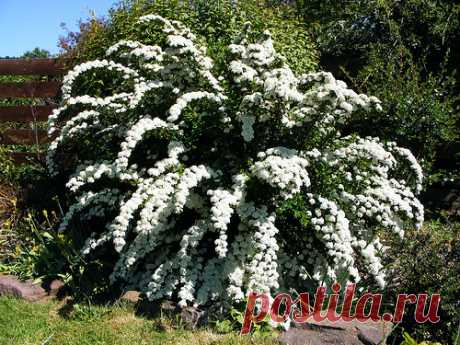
[{"x": 207, "y": 183}]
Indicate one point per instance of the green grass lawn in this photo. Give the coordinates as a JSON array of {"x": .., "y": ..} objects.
[{"x": 43, "y": 323}]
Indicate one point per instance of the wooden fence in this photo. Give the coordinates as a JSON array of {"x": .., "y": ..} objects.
[{"x": 41, "y": 91}]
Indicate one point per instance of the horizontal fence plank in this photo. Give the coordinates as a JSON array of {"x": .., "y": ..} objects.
[
  {"x": 25, "y": 113},
  {"x": 23, "y": 137},
  {"x": 20, "y": 158},
  {"x": 30, "y": 89},
  {"x": 51, "y": 67}
]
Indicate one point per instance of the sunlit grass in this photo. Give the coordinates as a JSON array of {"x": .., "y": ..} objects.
[{"x": 44, "y": 323}]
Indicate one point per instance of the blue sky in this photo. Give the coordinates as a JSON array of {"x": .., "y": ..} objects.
[{"x": 26, "y": 24}]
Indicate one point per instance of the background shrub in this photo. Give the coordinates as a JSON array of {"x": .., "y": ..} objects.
[
  {"x": 427, "y": 261},
  {"x": 217, "y": 23},
  {"x": 406, "y": 53}
]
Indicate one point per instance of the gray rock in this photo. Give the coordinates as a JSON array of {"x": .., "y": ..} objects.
[
  {"x": 55, "y": 287},
  {"x": 169, "y": 309},
  {"x": 374, "y": 333},
  {"x": 189, "y": 317},
  {"x": 192, "y": 317},
  {"x": 336, "y": 333},
  {"x": 154, "y": 309},
  {"x": 131, "y": 297},
  {"x": 13, "y": 287}
]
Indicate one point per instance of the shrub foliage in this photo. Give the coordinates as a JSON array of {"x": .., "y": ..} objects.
[
  {"x": 204, "y": 181},
  {"x": 405, "y": 53},
  {"x": 215, "y": 23}
]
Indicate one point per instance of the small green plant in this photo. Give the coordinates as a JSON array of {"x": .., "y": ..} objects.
[
  {"x": 33, "y": 254},
  {"x": 224, "y": 326},
  {"x": 87, "y": 312},
  {"x": 408, "y": 340},
  {"x": 260, "y": 329},
  {"x": 234, "y": 319}
]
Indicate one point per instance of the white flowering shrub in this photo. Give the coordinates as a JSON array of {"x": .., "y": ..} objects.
[{"x": 206, "y": 184}]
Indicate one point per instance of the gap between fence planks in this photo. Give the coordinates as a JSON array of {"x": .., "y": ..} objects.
[{"x": 41, "y": 67}]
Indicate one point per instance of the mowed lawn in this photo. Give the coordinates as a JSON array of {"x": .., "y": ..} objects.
[{"x": 43, "y": 324}]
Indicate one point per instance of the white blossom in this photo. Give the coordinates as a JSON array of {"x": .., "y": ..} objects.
[{"x": 209, "y": 187}]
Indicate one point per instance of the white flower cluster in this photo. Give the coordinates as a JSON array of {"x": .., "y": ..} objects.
[
  {"x": 282, "y": 168},
  {"x": 194, "y": 175},
  {"x": 70, "y": 78},
  {"x": 326, "y": 103}
]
